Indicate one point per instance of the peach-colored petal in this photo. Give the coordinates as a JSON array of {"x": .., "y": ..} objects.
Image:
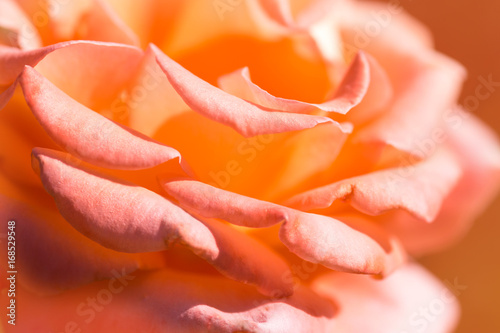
[
  {"x": 16, "y": 30},
  {"x": 336, "y": 245},
  {"x": 410, "y": 300},
  {"x": 6, "y": 94},
  {"x": 474, "y": 191},
  {"x": 150, "y": 99},
  {"x": 378, "y": 96},
  {"x": 52, "y": 256},
  {"x": 316, "y": 238},
  {"x": 266, "y": 20},
  {"x": 432, "y": 85},
  {"x": 246, "y": 118},
  {"x": 128, "y": 218},
  {"x": 399, "y": 32},
  {"x": 419, "y": 189},
  {"x": 104, "y": 68},
  {"x": 13, "y": 60},
  {"x": 87, "y": 134},
  {"x": 99, "y": 71},
  {"x": 101, "y": 23},
  {"x": 348, "y": 94},
  {"x": 171, "y": 302}
]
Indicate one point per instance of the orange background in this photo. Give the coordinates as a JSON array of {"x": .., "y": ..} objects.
[{"x": 469, "y": 31}]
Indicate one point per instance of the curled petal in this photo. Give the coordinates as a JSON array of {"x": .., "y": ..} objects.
[
  {"x": 419, "y": 107},
  {"x": 316, "y": 238},
  {"x": 419, "y": 189},
  {"x": 128, "y": 218},
  {"x": 87, "y": 134},
  {"x": 54, "y": 257},
  {"x": 399, "y": 303},
  {"x": 16, "y": 30},
  {"x": 378, "y": 95},
  {"x": 101, "y": 23},
  {"x": 246, "y": 118},
  {"x": 349, "y": 93},
  {"x": 481, "y": 176}
]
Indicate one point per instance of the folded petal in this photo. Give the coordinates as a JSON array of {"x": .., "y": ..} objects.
[
  {"x": 150, "y": 99},
  {"x": 54, "y": 257},
  {"x": 265, "y": 20},
  {"x": 171, "y": 302},
  {"x": 246, "y": 118},
  {"x": 87, "y": 134},
  {"x": 419, "y": 105},
  {"x": 410, "y": 300},
  {"x": 350, "y": 92},
  {"x": 316, "y": 238},
  {"x": 419, "y": 189},
  {"x": 101, "y": 23},
  {"x": 102, "y": 68},
  {"x": 128, "y": 218}
]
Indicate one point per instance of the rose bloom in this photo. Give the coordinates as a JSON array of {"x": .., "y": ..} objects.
[{"x": 231, "y": 166}]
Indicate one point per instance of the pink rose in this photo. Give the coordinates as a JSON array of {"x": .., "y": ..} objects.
[{"x": 226, "y": 166}]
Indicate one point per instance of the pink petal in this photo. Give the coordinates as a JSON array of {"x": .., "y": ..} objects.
[
  {"x": 419, "y": 106},
  {"x": 419, "y": 189},
  {"x": 6, "y": 94},
  {"x": 316, "y": 238},
  {"x": 378, "y": 96},
  {"x": 166, "y": 301},
  {"x": 264, "y": 20},
  {"x": 410, "y": 300},
  {"x": 151, "y": 99},
  {"x": 104, "y": 68},
  {"x": 364, "y": 248},
  {"x": 478, "y": 150},
  {"x": 99, "y": 71},
  {"x": 128, "y": 218},
  {"x": 101, "y": 23},
  {"x": 85, "y": 133},
  {"x": 349, "y": 93},
  {"x": 15, "y": 28},
  {"x": 278, "y": 10},
  {"x": 52, "y": 256},
  {"x": 246, "y": 118}
]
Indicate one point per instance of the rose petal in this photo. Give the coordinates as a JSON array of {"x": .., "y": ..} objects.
[
  {"x": 101, "y": 23},
  {"x": 316, "y": 238},
  {"x": 260, "y": 19},
  {"x": 349, "y": 93},
  {"x": 151, "y": 100},
  {"x": 53, "y": 256},
  {"x": 96, "y": 64},
  {"x": 474, "y": 191},
  {"x": 171, "y": 302},
  {"x": 378, "y": 96},
  {"x": 246, "y": 118},
  {"x": 336, "y": 245},
  {"x": 87, "y": 134},
  {"x": 15, "y": 28},
  {"x": 128, "y": 218},
  {"x": 419, "y": 106},
  {"x": 410, "y": 300},
  {"x": 419, "y": 189}
]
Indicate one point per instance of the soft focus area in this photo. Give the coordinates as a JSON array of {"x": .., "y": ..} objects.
[{"x": 470, "y": 31}]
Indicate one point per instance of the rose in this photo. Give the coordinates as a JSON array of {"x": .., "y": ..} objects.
[{"x": 346, "y": 183}]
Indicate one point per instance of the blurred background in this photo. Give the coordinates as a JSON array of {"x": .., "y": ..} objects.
[{"x": 469, "y": 31}]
